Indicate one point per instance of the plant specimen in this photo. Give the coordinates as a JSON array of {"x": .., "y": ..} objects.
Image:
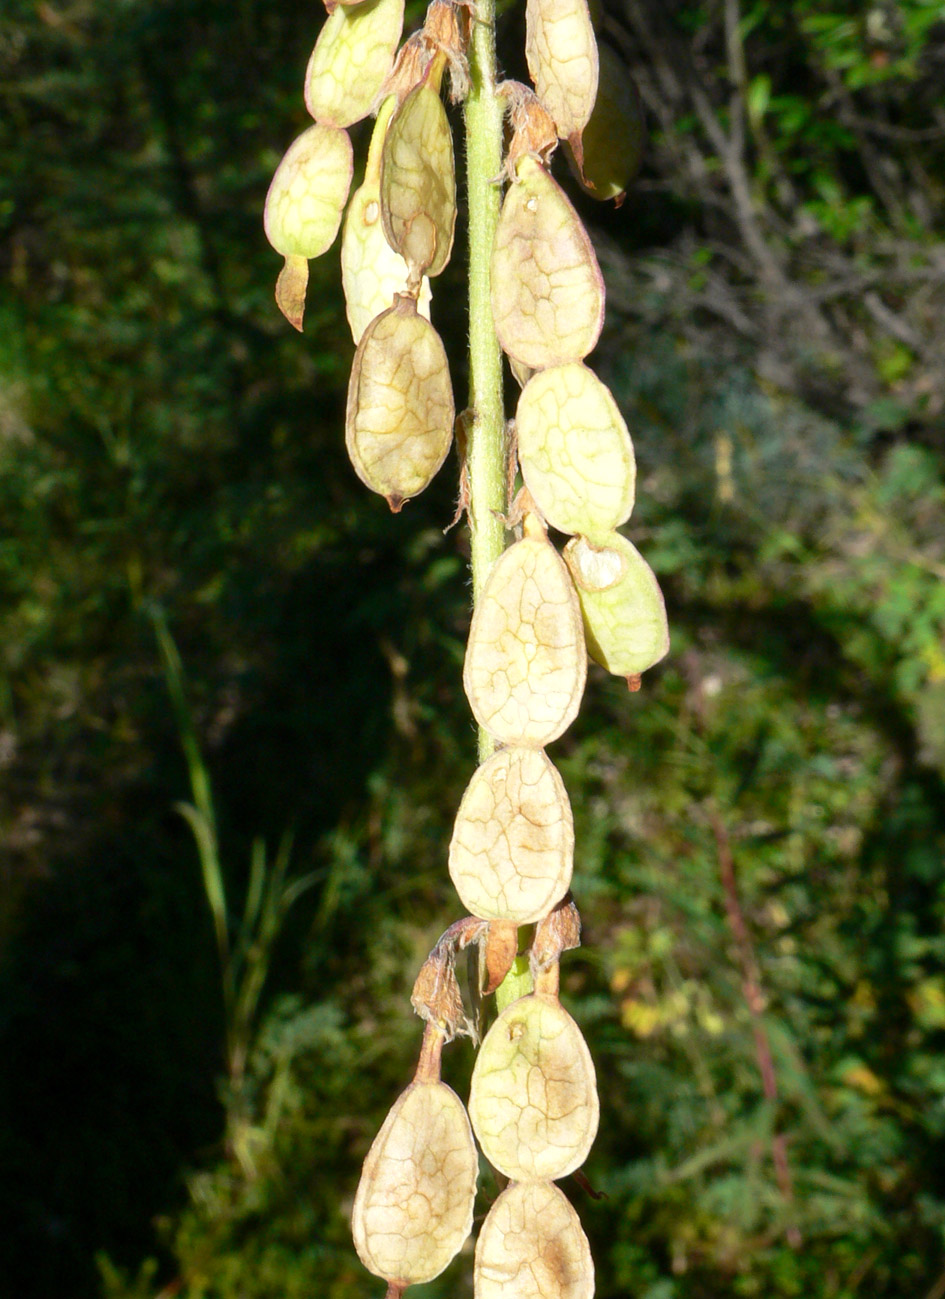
[{"x": 536, "y": 293}]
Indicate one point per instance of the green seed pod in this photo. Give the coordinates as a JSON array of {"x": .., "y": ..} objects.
[
  {"x": 547, "y": 289},
  {"x": 512, "y": 850},
  {"x": 574, "y": 450},
  {"x": 531, "y": 1246},
  {"x": 371, "y": 272},
  {"x": 614, "y": 138},
  {"x": 414, "y": 1204},
  {"x": 525, "y": 662},
  {"x": 399, "y": 421},
  {"x": 533, "y": 1095},
  {"x": 561, "y": 51},
  {"x": 623, "y": 609},
  {"x": 303, "y": 208},
  {"x": 352, "y": 56},
  {"x": 418, "y": 182}
]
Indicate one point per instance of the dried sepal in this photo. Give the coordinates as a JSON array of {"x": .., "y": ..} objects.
[
  {"x": 351, "y": 59},
  {"x": 574, "y": 451},
  {"x": 533, "y": 127},
  {"x": 446, "y": 28},
  {"x": 533, "y": 1095},
  {"x": 624, "y": 617},
  {"x": 532, "y": 1246},
  {"x": 414, "y": 1204},
  {"x": 399, "y": 420},
  {"x": 512, "y": 850},
  {"x": 547, "y": 289},
  {"x": 499, "y": 951},
  {"x": 526, "y": 663},
  {"x": 436, "y": 997},
  {"x": 418, "y": 183},
  {"x": 561, "y": 51},
  {"x": 614, "y": 138},
  {"x": 558, "y": 932},
  {"x": 371, "y": 271}
]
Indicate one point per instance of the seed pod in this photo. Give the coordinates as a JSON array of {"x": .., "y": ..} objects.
[
  {"x": 614, "y": 138},
  {"x": 352, "y": 56},
  {"x": 547, "y": 289},
  {"x": 303, "y": 208},
  {"x": 414, "y": 1204},
  {"x": 531, "y": 1246},
  {"x": 561, "y": 51},
  {"x": 574, "y": 450},
  {"x": 525, "y": 662},
  {"x": 371, "y": 272},
  {"x": 399, "y": 421},
  {"x": 623, "y": 609},
  {"x": 533, "y": 1095},
  {"x": 418, "y": 183},
  {"x": 512, "y": 850}
]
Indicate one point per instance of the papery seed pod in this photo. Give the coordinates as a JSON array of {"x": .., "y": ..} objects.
[
  {"x": 414, "y": 1204},
  {"x": 614, "y": 138},
  {"x": 574, "y": 450},
  {"x": 303, "y": 208},
  {"x": 525, "y": 662},
  {"x": 533, "y": 1094},
  {"x": 418, "y": 182},
  {"x": 621, "y": 602},
  {"x": 371, "y": 272},
  {"x": 561, "y": 51},
  {"x": 547, "y": 289},
  {"x": 352, "y": 56},
  {"x": 531, "y": 1246},
  {"x": 399, "y": 420},
  {"x": 512, "y": 850}
]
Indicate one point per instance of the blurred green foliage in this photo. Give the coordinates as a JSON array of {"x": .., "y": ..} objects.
[{"x": 165, "y": 441}]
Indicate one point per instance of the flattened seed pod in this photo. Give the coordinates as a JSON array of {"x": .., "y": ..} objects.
[
  {"x": 352, "y": 56},
  {"x": 303, "y": 208},
  {"x": 533, "y": 1095},
  {"x": 623, "y": 609},
  {"x": 525, "y": 662},
  {"x": 418, "y": 182},
  {"x": 512, "y": 850},
  {"x": 371, "y": 272},
  {"x": 531, "y": 1246},
  {"x": 561, "y": 51},
  {"x": 414, "y": 1204},
  {"x": 547, "y": 289},
  {"x": 399, "y": 420},
  {"x": 574, "y": 450},
  {"x": 614, "y": 138}
]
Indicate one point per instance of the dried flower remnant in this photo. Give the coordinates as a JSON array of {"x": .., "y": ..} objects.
[
  {"x": 399, "y": 422},
  {"x": 512, "y": 850},
  {"x": 561, "y": 51},
  {"x": 531, "y": 1246},
  {"x": 351, "y": 59},
  {"x": 574, "y": 450},
  {"x": 621, "y": 603},
  {"x": 525, "y": 662},
  {"x": 547, "y": 289}
]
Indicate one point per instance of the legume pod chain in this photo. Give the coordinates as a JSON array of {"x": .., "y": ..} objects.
[
  {"x": 526, "y": 663},
  {"x": 531, "y": 1246},
  {"x": 351, "y": 58}
]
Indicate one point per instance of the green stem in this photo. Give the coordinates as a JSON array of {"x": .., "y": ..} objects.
[{"x": 486, "y": 445}]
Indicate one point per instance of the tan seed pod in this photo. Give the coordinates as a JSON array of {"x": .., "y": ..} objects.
[
  {"x": 512, "y": 850},
  {"x": 533, "y": 1095},
  {"x": 525, "y": 662},
  {"x": 414, "y": 1204},
  {"x": 352, "y": 57},
  {"x": 561, "y": 51},
  {"x": 574, "y": 450},
  {"x": 399, "y": 420},
  {"x": 418, "y": 182},
  {"x": 371, "y": 272},
  {"x": 621, "y": 602},
  {"x": 303, "y": 208},
  {"x": 614, "y": 138},
  {"x": 547, "y": 289},
  {"x": 531, "y": 1246}
]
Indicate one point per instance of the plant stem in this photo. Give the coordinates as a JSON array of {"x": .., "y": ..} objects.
[{"x": 486, "y": 446}]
